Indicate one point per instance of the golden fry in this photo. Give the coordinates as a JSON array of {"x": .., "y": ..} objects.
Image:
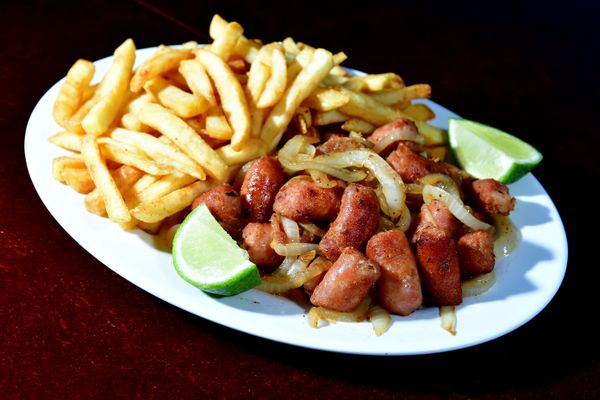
[
  {"x": 419, "y": 112},
  {"x": 197, "y": 80},
  {"x": 72, "y": 93},
  {"x": 67, "y": 140},
  {"x": 164, "y": 60},
  {"x": 306, "y": 81},
  {"x": 184, "y": 137},
  {"x": 275, "y": 86},
  {"x": 366, "y": 108},
  {"x": 358, "y": 125},
  {"x": 224, "y": 44},
  {"x": 115, "y": 205},
  {"x": 326, "y": 99},
  {"x": 329, "y": 117},
  {"x": 231, "y": 94},
  {"x": 112, "y": 91},
  {"x": 158, "y": 150},
  {"x": 244, "y": 47},
  {"x": 127, "y": 154},
  {"x": 183, "y": 104},
  {"x": 159, "y": 209},
  {"x": 254, "y": 148}
]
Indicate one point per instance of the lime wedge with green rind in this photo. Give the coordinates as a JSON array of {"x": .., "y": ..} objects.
[
  {"x": 207, "y": 257},
  {"x": 487, "y": 152}
]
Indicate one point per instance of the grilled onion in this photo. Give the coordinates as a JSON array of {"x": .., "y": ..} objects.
[
  {"x": 397, "y": 136},
  {"x": 455, "y": 206}
]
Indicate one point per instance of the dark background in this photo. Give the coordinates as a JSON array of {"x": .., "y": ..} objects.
[{"x": 71, "y": 328}]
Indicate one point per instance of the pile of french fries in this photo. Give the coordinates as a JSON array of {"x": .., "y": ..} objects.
[{"x": 148, "y": 141}]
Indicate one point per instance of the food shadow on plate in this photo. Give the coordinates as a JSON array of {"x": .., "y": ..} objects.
[
  {"x": 535, "y": 213},
  {"x": 511, "y": 275}
]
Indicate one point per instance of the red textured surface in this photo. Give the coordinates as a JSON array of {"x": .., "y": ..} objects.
[{"x": 71, "y": 328}]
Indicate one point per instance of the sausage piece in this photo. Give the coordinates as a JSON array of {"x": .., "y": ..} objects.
[
  {"x": 490, "y": 196},
  {"x": 224, "y": 204},
  {"x": 408, "y": 164},
  {"x": 337, "y": 143},
  {"x": 347, "y": 283},
  {"x": 257, "y": 240},
  {"x": 437, "y": 214},
  {"x": 476, "y": 253},
  {"x": 438, "y": 263},
  {"x": 401, "y": 125},
  {"x": 356, "y": 222},
  {"x": 303, "y": 200},
  {"x": 399, "y": 287},
  {"x": 262, "y": 182}
]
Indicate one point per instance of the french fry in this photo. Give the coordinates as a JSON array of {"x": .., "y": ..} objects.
[
  {"x": 433, "y": 136},
  {"x": 419, "y": 111},
  {"x": 244, "y": 47},
  {"x": 74, "y": 123},
  {"x": 164, "y": 60},
  {"x": 216, "y": 125},
  {"x": 162, "y": 187},
  {"x": 254, "y": 148},
  {"x": 132, "y": 122},
  {"x": 329, "y": 117},
  {"x": 374, "y": 82},
  {"x": 358, "y": 125},
  {"x": 72, "y": 93},
  {"x": 159, "y": 209},
  {"x": 276, "y": 84},
  {"x": 402, "y": 95},
  {"x": 125, "y": 176},
  {"x": 258, "y": 75},
  {"x": 326, "y": 99},
  {"x": 112, "y": 91},
  {"x": 131, "y": 195},
  {"x": 115, "y": 205},
  {"x": 224, "y": 44},
  {"x": 184, "y": 137},
  {"x": 59, "y": 164},
  {"x": 127, "y": 154},
  {"x": 67, "y": 140},
  {"x": 158, "y": 150},
  {"x": 78, "y": 179},
  {"x": 306, "y": 81},
  {"x": 231, "y": 94},
  {"x": 183, "y": 104},
  {"x": 366, "y": 108},
  {"x": 438, "y": 152},
  {"x": 198, "y": 81}
]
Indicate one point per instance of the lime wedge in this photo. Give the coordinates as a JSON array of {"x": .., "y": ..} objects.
[
  {"x": 208, "y": 258},
  {"x": 487, "y": 152}
]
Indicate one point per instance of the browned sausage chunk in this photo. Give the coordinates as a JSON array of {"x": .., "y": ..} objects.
[
  {"x": 225, "y": 205},
  {"x": 356, "y": 222},
  {"x": 476, "y": 253},
  {"x": 399, "y": 287},
  {"x": 337, "y": 143},
  {"x": 401, "y": 125},
  {"x": 490, "y": 197},
  {"x": 408, "y": 164},
  {"x": 437, "y": 214},
  {"x": 438, "y": 263},
  {"x": 262, "y": 182},
  {"x": 303, "y": 200},
  {"x": 257, "y": 240},
  {"x": 347, "y": 282}
]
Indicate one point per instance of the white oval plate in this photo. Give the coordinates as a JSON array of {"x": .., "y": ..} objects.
[{"x": 526, "y": 280}]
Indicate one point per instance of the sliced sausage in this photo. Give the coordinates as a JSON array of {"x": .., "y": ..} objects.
[
  {"x": 257, "y": 240},
  {"x": 408, "y": 164},
  {"x": 437, "y": 214},
  {"x": 438, "y": 263},
  {"x": 476, "y": 253},
  {"x": 337, "y": 143},
  {"x": 356, "y": 222},
  {"x": 347, "y": 283},
  {"x": 490, "y": 197},
  {"x": 225, "y": 205},
  {"x": 401, "y": 125},
  {"x": 303, "y": 200},
  {"x": 399, "y": 287},
  {"x": 260, "y": 186}
]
